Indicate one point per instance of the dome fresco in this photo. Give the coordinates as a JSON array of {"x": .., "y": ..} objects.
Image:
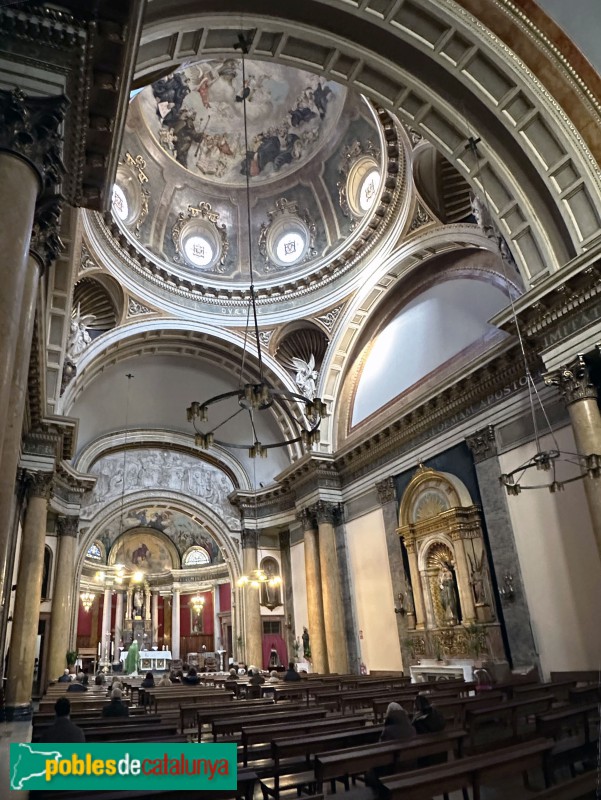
[
  {"x": 197, "y": 116},
  {"x": 180, "y": 192}
]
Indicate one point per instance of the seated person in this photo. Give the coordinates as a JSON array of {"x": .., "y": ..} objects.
[
  {"x": 426, "y": 718},
  {"x": 116, "y": 708},
  {"x": 78, "y": 684},
  {"x": 233, "y": 674},
  {"x": 397, "y": 727},
  {"x": 191, "y": 679},
  {"x": 291, "y": 674},
  {"x": 273, "y": 677},
  {"x": 256, "y": 679},
  {"x": 100, "y": 678},
  {"x": 86, "y": 678},
  {"x": 116, "y": 684},
  {"x": 148, "y": 681},
  {"x": 175, "y": 677},
  {"x": 165, "y": 680},
  {"x": 65, "y": 677},
  {"x": 62, "y": 729}
]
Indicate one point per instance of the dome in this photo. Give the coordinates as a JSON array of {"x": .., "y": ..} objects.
[{"x": 317, "y": 172}]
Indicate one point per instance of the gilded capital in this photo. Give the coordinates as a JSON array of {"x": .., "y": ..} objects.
[
  {"x": 40, "y": 484},
  {"x": 386, "y": 491},
  {"x": 573, "y": 381},
  {"x": 67, "y": 526},
  {"x": 249, "y": 538},
  {"x": 30, "y": 129},
  {"x": 482, "y": 443}
]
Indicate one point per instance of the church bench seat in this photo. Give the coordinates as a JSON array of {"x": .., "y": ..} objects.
[
  {"x": 232, "y": 725},
  {"x": 470, "y": 773},
  {"x": 581, "y": 787},
  {"x": 285, "y": 750},
  {"x": 39, "y": 726},
  {"x": 353, "y": 761},
  {"x": 192, "y": 694},
  {"x": 570, "y": 727},
  {"x": 510, "y": 712},
  {"x": 252, "y": 735},
  {"x": 193, "y": 714},
  {"x": 585, "y": 694},
  {"x": 290, "y": 690}
]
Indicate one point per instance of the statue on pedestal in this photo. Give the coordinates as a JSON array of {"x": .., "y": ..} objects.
[
  {"x": 138, "y": 604},
  {"x": 448, "y": 596},
  {"x": 306, "y": 644}
]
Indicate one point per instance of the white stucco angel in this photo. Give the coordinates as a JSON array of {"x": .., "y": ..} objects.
[
  {"x": 306, "y": 376},
  {"x": 79, "y": 338}
]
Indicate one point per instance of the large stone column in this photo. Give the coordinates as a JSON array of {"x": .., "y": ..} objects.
[
  {"x": 504, "y": 561},
  {"x": 580, "y": 396},
  {"x": 416, "y": 583},
  {"x": 253, "y": 644},
  {"x": 175, "y": 651},
  {"x": 27, "y": 600},
  {"x": 155, "y": 618},
  {"x": 30, "y": 166},
  {"x": 317, "y": 633},
  {"x": 62, "y": 599},
  {"x": 331, "y": 592}
]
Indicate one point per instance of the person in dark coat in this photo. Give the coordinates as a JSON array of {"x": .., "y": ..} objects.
[
  {"x": 148, "y": 681},
  {"x": 427, "y": 718},
  {"x": 397, "y": 728},
  {"x": 191, "y": 678},
  {"x": 256, "y": 679},
  {"x": 116, "y": 708},
  {"x": 65, "y": 677},
  {"x": 291, "y": 674},
  {"x": 78, "y": 684},
  {"x": 62, "y": 729}
]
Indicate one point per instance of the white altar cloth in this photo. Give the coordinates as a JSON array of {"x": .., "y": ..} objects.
[{"x": 151, "y": 659}]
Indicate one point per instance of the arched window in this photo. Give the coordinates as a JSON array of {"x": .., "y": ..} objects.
[
  {"x": 196, "y": 557},
  {"x": 94, "y": 552}
]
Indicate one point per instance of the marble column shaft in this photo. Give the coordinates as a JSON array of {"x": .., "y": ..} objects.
[
  {"x": 331, "y": 591},
  {"x": 175, "y": 628},
  {"x": 416, "y": 583},
  {"x": 580, "y": 396},
  {"x": 14, "y": 418},
  {"x": 105, "y": 643},
  {"x": 118, "y": 624},
  {"x": 26, "y": 612},
  {"x": 62, "y": 599},
  {"x": 317, "y": 633},
  {"x": 216, "y": 619},
  {"x": 254, "y": 632},
  {"x": 466, "y": 597},
  {"x": 155, "y": 618}
]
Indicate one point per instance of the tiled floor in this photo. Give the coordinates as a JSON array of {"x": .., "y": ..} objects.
[{"x": 11, "y": 732}]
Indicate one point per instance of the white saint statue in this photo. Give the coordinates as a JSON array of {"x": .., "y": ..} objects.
[
  {"x": 306, "y": 377},
  {"x": 79, "y": 338}
]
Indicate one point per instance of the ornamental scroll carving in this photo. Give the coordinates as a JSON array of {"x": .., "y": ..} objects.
[{"x": 573, "y": 381}]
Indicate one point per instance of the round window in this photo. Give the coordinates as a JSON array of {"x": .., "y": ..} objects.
[
  {"x": 198, "y": 251},
  {"x": 290, "y": 247},
  {"x": 369, "y": 190},
  {"x": 120, "y": 204},
  {"x": 363, "y": 185},
  {"x": 288, "y": 240}
]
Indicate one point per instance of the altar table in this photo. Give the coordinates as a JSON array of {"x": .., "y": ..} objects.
[{"x": 151, "y": 659}]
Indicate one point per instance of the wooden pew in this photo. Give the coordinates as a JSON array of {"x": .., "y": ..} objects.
[
  {"x": 585, "y": 694},
  {"x": 471, "y": 772},
  {"x": 93, "y": 722},
  {"x": 224, "y": 726},
  {"x": 353, "y": 761},
  {"x": 570, "y": 748},
  {"x": 257, "y": 734},
  {"x": 510, "y": 712},
  {"x": 189, "y": 713},
  {"x": 285, "y": 749},
  {"x": 176, "y": 698},
  {"x": 290, "y": 690},
  {"x": 581, "y": 788}
]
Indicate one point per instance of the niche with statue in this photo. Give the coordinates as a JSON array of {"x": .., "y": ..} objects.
[{"x": 451, "y": 612}]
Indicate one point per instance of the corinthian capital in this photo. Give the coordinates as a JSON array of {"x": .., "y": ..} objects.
[
  {"x": 40, "y": 484},
  {"x": 385, "y": 490},
  {"x": 327, "y": 512},
  {"x": 306, "y": 519},
  {"x": 30, "y": 128},
  {"x": 67, "y": 526},
  {"x": 573, "y": 381},
  {"x": 45, "y": 243}
]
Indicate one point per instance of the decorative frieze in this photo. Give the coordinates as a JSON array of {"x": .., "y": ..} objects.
[{"x": 573, "y": 381}]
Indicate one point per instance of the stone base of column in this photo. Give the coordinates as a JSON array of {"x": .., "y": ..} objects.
[{"x": 20, "y": 713}]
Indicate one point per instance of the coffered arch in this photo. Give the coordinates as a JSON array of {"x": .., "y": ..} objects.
[{"x": 449, "y": 77}]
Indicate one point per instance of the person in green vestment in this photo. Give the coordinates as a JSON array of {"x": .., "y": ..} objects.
[{"x": 131, "y": 661}]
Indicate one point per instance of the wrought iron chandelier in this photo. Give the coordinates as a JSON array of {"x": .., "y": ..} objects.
[
  {"x": 546, "y": 461},
  {"x": 303, "y": 415}
]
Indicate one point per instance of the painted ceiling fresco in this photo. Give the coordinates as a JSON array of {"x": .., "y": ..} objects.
[{"x": 196, "y": 114}]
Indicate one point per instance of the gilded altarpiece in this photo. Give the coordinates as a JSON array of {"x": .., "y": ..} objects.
[{"x": 450, "y": 608}]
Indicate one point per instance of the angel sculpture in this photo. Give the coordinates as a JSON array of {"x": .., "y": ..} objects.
[
  {"x": 306, "y": 376},
  {"x": 79, "y": 338}
]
